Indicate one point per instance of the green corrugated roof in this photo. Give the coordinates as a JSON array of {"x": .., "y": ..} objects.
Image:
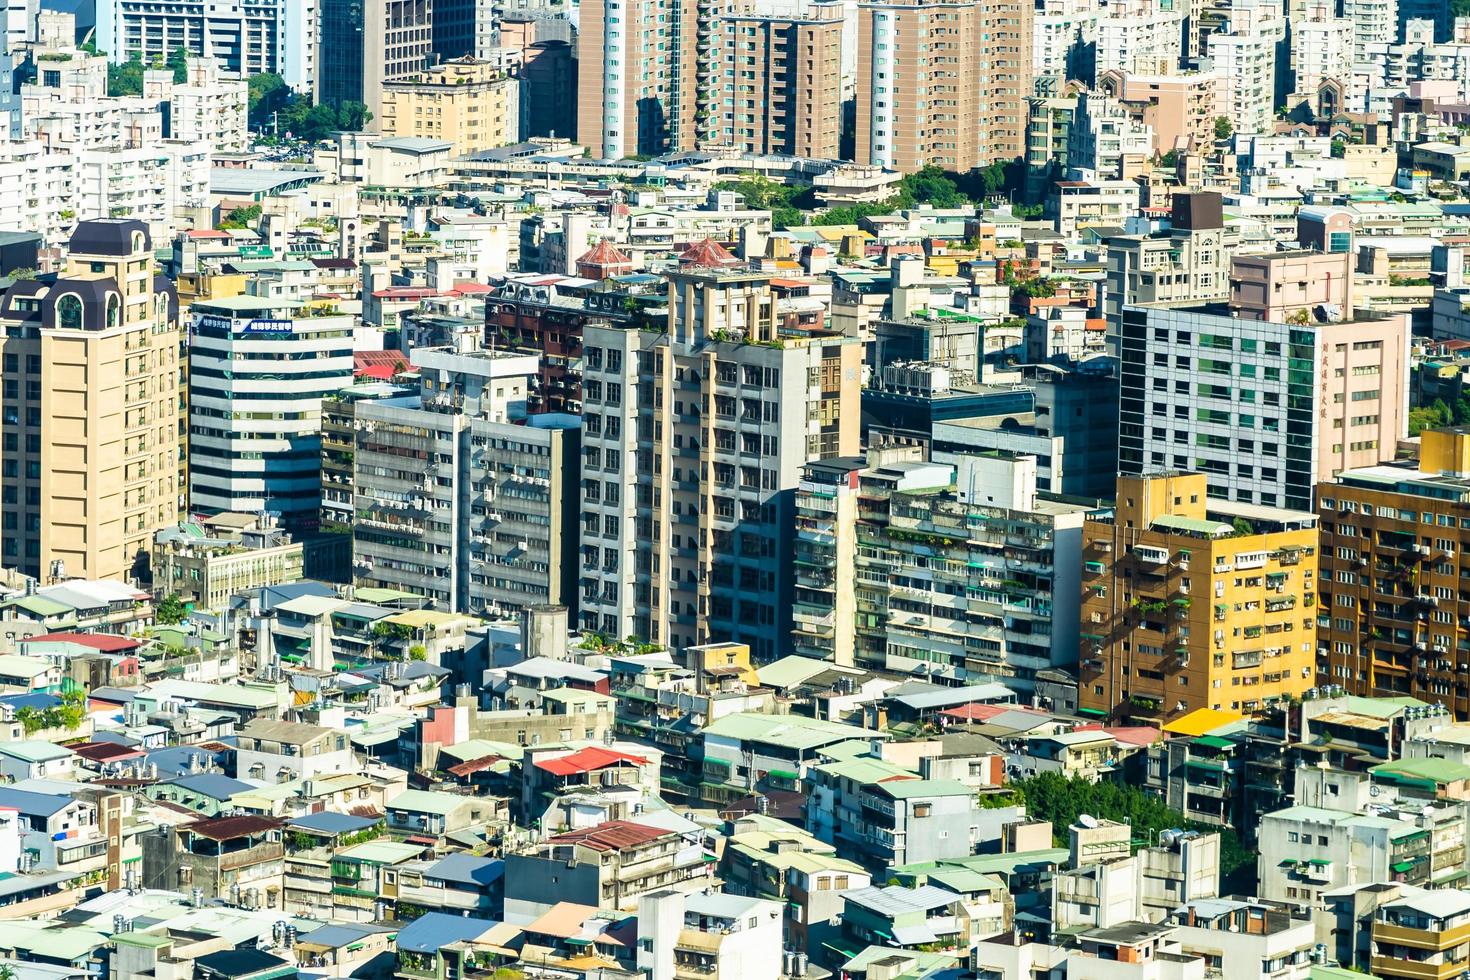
[
  {"x": 908, "y": 789},
  {"x": 1214, "y": 742},
  {"x": 1193, "y": 524},
  {"x": 1434, "y": 770}
]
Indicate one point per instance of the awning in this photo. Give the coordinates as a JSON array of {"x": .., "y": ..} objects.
[
  {"x": 1214, "y": 742},
  {"x": 1319, "y": 862},
  {"x": 1401, "y": 866},
  {"x": 782, "y": 774},
  {"x": 1092, "y": 712}
]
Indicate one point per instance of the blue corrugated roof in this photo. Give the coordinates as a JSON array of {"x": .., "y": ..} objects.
[
  {"x": 435, "y": 929},
  {"x": 466, "y": 869},
  {"x": 212, "y": 784},
  {"x": 327, "y": 822},
  {"x": 38, "y": 701},
  {"x": 39, "y": 804}
]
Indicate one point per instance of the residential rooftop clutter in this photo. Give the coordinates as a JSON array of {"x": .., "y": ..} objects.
[{"x": 900, "y": 490}]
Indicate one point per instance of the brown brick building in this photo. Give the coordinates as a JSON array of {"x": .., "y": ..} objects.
[{"x": 1395, "y": 613}]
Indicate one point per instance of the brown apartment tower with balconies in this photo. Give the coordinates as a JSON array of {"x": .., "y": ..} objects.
[
  {"x": 1396, "y": 576},
  {"x": 942, "y": 83}
]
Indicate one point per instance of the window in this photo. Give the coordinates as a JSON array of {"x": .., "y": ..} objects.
[{"x": 69, "y": 312}]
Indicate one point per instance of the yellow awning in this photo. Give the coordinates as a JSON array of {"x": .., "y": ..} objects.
[{"x": 1201, "y": 721}]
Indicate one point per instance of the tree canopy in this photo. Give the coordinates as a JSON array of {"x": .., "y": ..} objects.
[
  {"x": 1439, "y": 413},
  {"x": 171, "y": 610},
  {"x": 268, "y": 91},
  {"x": 178, "y": 61},
  {"x": 303, "y": 120},
  {"x": 1052, "y": 796},
  {"x": 126, "y": 78}
]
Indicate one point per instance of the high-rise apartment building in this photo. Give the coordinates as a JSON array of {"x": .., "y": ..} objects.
[
  {"x": 1064, "y": 39},
  {"x": 1374, "y": 22},
  {"x": 365, "y": 43},
  {"x": 1395, "y": 545},
  {"x": 247, "y": 38},
  {"x": 942, "y": 83},
  {"x": 456, "y": 502},
  {"x": 1321, "y": 50},
  {"x": 1144, "y": 36},
  {"x": 1245, "y": 57},
  {"x": 694, "y": 443},
  {"x": 91, "y": 410},
  {"x": 258, "y": 370},
  {"x": 785, "y": 94},
  {"x": 1179, "y": 108},
  {"x": 471, "y": 103},
  {"x": 1191, "y": 603},
  {"x": 1264, "y": 409},
  {"x": 955, "y": 573},
  {"x": 635, "y": 78}
]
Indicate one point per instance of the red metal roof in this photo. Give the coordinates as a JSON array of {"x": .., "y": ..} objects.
[
  {"x": 614, "y": 835},
  {"x": 381, "y": 364},
  {"x": 106, "y": 751},
  {"x": 604, "y": 253},
  {"x": 471, "y": 766},
  {"x": 588, "y": 760},
  {"x": 97, "y": 641},
  {"x": 405, "y": 292},
  {"x": 229, "y": 828}
]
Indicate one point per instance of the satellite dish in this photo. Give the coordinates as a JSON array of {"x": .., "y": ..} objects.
[{"x": 1087, "y": 820}]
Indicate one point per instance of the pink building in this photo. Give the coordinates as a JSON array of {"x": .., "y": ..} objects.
[{"x": 1362, "y": 369}]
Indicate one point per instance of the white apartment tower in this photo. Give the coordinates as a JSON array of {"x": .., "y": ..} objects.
[{"x": 694, "y": 440}]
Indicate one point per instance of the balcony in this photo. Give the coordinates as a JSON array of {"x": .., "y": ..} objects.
[{"x": 1386, "y": 966}]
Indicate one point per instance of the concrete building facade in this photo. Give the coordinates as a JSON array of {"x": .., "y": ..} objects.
[
  {"x": 687, "y": 541},
  {"x": 90, "y": 365}
]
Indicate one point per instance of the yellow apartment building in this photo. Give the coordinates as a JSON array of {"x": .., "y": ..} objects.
[
  {"x": 91, "y": 408},
  {"x": 470, "y": 103},
  {"x": 1194, "y": 603}
]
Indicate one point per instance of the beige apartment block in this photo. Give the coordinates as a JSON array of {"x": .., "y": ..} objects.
[
  {"x": 91, "y": 395},
  {"x": 942, "y": 83},
  {"x": 468, "y": 102},
  {"x": 785, "y": 94},
  {"x": 1180, "y": 109}
]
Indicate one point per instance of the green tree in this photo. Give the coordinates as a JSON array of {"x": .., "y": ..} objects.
[
  {"x": 850, "y": 214},
  {"x": 267, "y": 92},
  {"x": 171, "y": 610},
  {"x": 1052, "y": 796},
  {"x": 932, "y": 186},
  {"x": 245, "y": 217},
  {"x": 1224, "y": 128},
  {"x": 1460, "y": 415},
  {"x": 1432, "y": 416},
  {"x": 785, "y": 202},
  {"x": 178, "y": 61},
  {"x": 126, "y": 78},
  {"x": 1169, "y": 160},
  {"x": 1035, "y": 288}
]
